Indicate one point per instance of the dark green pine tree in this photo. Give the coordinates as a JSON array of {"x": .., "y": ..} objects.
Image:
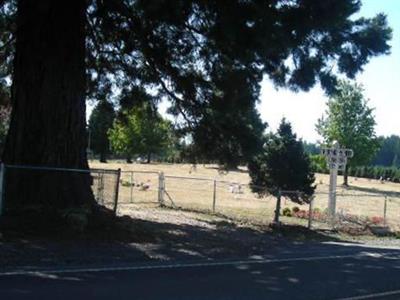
[
  {"x": 283, "y": 166},
  {"x": 100, "y": 121},
  {"x": 61, "y": 52},
  {"x": 231, "y": 130}
]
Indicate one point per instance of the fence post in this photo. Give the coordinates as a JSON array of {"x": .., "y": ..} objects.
[
  {"x": 2, "y": 186},
  {"x": 161, "y": 186},
  {"x": 131, "y": 186},
  {"x": 278, "y": 207},
  {"x": 100, "y": 187},
  {"x": 384, "y": 211},
  {"x": 214, "y": 195},
  {"x": 117, "y": 191},
  {"x": 310, "y": 212}
]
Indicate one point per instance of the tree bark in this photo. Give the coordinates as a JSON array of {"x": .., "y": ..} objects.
[
  {"x": 148, "y": 157},
  {"x": 48, "y": 107},
  {"x": 103, "y": 157},
  {"x": 345, "y": 176},
  {"x": 278, "y": 208}
]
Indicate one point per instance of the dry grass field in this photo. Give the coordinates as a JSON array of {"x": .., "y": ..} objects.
[{"x": 363, "y": 198}]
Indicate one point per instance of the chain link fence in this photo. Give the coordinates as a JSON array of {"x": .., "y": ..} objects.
[
  {"x": 139, "y": 187},
  {"x": 232, "y": 199},
  {"x": 354, "y": 208},
  {"x": 24, "y": 186}
]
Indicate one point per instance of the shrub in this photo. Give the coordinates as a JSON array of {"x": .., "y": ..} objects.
[
  {"x": 317, "y": 210},
  {"x": 287, "y": 212},
  {"x": 126, "y": 183},
  {"x": 295, "y": 210},
  {"x": 318, "y": 164}
]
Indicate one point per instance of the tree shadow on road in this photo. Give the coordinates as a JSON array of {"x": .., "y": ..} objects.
[
  {"x": 128, "y": 240},
  {"x": 289, "y": 262}
]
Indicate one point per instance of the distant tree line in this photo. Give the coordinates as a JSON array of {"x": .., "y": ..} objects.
[
  {"x": 319, "y": 165},
  {"x": 376, "y": 172},
  {"x": 388, "y": 154},
  {"x": 385, "y": 164}
]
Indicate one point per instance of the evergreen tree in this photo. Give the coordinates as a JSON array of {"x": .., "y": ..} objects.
[
  {"x": 230, "y": 131},
  {"x": 283, "y": 166},
  {"x": 100, "y": 121},
  {"x": 350, "y": 121}
]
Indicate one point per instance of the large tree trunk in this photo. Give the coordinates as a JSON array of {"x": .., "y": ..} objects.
[{"x": 48, "y": 108}]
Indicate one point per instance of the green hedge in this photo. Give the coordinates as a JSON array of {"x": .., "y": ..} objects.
[
  {"x": 376, "y": 172},
  {"x": 318, "y": 164}
]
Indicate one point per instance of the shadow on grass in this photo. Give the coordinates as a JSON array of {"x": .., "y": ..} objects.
[
  {"x": 227, "y": 170},
  {"x": 373, "y": 191}
]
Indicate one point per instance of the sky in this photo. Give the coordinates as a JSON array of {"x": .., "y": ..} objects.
[{"x": 380, "y": 78}]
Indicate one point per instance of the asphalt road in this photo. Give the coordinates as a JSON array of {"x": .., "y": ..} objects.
[{"x": 328, "y": 273}]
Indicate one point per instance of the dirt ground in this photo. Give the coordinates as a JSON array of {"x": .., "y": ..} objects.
[
  {"x": 364, "y": 197},
  {"x": 151, "y": 235}
]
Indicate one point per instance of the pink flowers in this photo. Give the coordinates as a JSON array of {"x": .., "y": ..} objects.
[{"x": 342, "y": 218}]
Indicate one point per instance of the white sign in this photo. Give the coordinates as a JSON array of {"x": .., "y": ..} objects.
[
  {"x": 337, "y": 160},
  {"x": 336, "y": 157},
  {"x": 337, "y": 152}
]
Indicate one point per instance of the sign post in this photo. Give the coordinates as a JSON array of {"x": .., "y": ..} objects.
[{"x": 337, "y": 160}]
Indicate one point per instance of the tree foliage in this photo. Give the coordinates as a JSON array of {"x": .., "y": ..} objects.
[
  {"x": 283, "y": 165},
  {"x": 350, "y": 121},
  {"x": 389, "y": 152},
  {"x": 182, "y": 50},
  {"x": 143, "y": 132},
  {"x": 100, "y": 121},
  {"x": 319, "y": 163},
  {"x": 231, "y": 131}
]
